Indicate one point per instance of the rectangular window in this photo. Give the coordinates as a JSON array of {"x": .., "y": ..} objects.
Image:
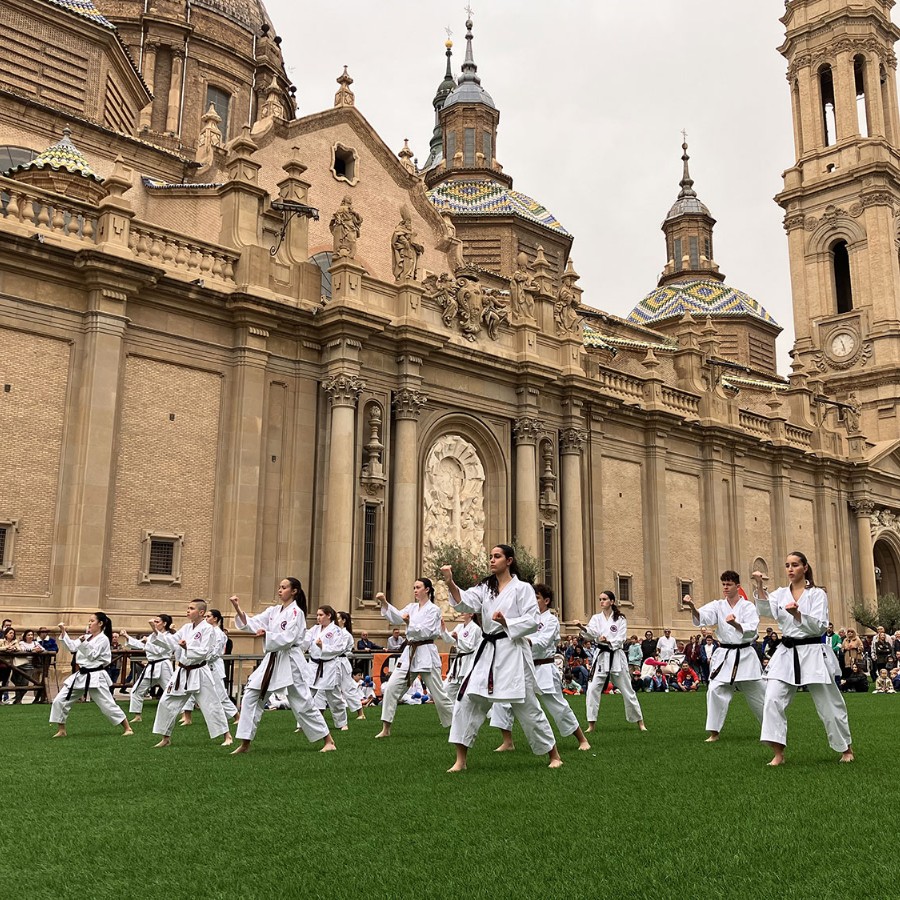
[
  {"x": 469, "y": 147},
  {"x": 695, "y": 253},
  {"x": 8, "y": 530},
  {"x": 685, "y": 588},
  {"x": 487, "y": 148},
  {"x": 623, "y": 589},
  {"x": 451, "y": 146},
  {"x": 707, "y": 244},
  {"x": 677, "y": 255},
  {"x": 371, "y": 518},
  {"x": 548, "y": 556},
  {"x": 161, "y": 557},
  {"x": 220, "y": 101}
]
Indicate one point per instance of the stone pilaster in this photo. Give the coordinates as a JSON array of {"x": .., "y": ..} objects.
[
  {"x": 863, "y": 509},
  {"x": 526, "y": 431},
  {"x": 572, "y": 441}
]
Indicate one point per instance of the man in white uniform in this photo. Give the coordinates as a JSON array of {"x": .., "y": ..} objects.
[{"x": 734, "y": 664}]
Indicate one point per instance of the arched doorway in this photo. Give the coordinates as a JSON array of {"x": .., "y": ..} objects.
[{"x": 887, "y": 567}]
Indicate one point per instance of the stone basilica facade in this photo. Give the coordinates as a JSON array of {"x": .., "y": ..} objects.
[{"x": 238, "y": 343}]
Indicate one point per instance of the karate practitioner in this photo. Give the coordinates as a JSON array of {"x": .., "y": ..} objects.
[
  {"x": 548, "y": 679},
  {"x": 735, "y": 664},
  {"x": 93, "y": 653},
  {"x": 467, "y": 637},
  {"x": 420, "y": 657},
  {"x": 283, "y": 668},
  {"x": 326, "y": 644},
  {"x": 503, "y": 668},
  {"x": 157, "y": 671},
  {"x": 193, "y": 643},
  {"x": 801, "y": 610},
  {"x": 609, "y": 630},
  {"x": 349, "y": 688},
  {"x": 217, "y": 666}
]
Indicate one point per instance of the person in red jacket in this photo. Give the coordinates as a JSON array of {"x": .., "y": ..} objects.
[{"x": 686, "y": 679}]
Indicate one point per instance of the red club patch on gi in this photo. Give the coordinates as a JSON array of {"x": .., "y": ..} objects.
[
  {"x": 284, "y": 625},
  {"x": 613, "y": 628},
  {"x": 196, "y": 635}
]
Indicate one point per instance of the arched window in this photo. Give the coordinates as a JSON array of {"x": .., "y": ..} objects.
[
  {"x": 862, "y": 106},
  {"x": 221, "y": 102},
  {"x": 323, "y": 261},
  {"x": 10, "y": 157},
  {"x": 843, "y": 288},
  {"x": 826, "y": 90}
]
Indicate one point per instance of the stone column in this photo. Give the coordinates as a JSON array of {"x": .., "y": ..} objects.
[
  {"x": 406, "y": 514},
  {"x": 174, "y": 106},
  {"x": 863, "y": 510},
  {"x": 656, "y": 549},
  {"x": 873, "y": 96},
  {"x": 526, "y": 432},
  {"x": 343, "y": 391},
  {"x": 148, "y": 70},
  {"x": 572, "y": 540},
  {"x": 846, "y": 119}
]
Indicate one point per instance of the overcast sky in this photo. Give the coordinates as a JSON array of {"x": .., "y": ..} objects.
[{"x": 593, "y": 95}]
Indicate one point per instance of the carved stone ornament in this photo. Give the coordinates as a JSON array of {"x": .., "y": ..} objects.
[
  {"x": 572, "y": 441},
  {"x": 345, "y": 227},
  {"x": 565, "y": 308},
  {"x": 521, "y": 291},
  {"x": 343, "y": 389},
  {"x": 863, "y": 508},
  {"x": 408, "y": 403},
  {"x": 465, "y": 301},
  {"x": 405, "y": 251},
  {"x": 885, "y": 520},
  {"x": 372, "y": 475},
  {"x": 823, "y": 362},
  {"x": 527, "y": 430}
]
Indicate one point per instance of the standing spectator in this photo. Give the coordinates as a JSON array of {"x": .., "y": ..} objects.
[
  {"x": 707, "y": 648},
  {"x": 851, "y": 651},
  {"x": 396, "y": 642},
  {"x": 836, "y": 641},
  {"x": 26, "y": 664},
  {"x": 8, "y": 643},
  {"x": 882, "y": 651},
  {"x": 47, "y": 642},
  {"x": 895, "y": 679},
  {"x": 687, "y": 679},
  {"x": 896, "y": 643},
  {"x": 648, "y": 645},
  {"x": 635, "y": 656},
  {"x": 692, "y": 653},
  {"x": 666, "y": 645}
]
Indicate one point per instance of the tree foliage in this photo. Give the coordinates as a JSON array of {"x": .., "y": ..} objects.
[
  {"x": 886, "y": 613},
  {"x": 468, "y": 567},
  {"x": 531, "y": 568}
]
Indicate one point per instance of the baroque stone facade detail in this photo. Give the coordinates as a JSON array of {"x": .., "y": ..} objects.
[
  {"x": 467, "y": 302},
  {"x": 405, "y": 250},
  {"x": 343, "y": 389},
  {"x": 572, "y": 441},
  {"x": 527, "y": 430},
  {"x": 863, "y": 508},
  {"x": 345, "y": 228},
  {"x": 408, "y": 403},
  {"x": 885, "y": 520}
]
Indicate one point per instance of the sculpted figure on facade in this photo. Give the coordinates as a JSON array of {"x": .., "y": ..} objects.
[
  {"x": 565, "y": 307},
  {"x": 466, "y": 301},
  {"x": 521, "y": 290},
  {"x": 345, "y": 229},
  {"x": 851, "y": 414},
  {"x": 405, "y": 249},
  {"x": 451, "y": 243}
]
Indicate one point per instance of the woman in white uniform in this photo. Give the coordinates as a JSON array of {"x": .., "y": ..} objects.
[
  {"x": 420, "y": 657},
  {"x": 801, "y": 610},
  {"x": 157, "y": 671},
  {"x": 467, "y": 637},
  {"x": 217, "y": 667},
  {"x": 548, "y": 679},
  {"x": 282, "y": 670},
  {"x": 609, "y": 630},
  {"x": 93, "y": 653},
  {"x": 326, "y": 644},
  {"x": 503, "y": 669}
]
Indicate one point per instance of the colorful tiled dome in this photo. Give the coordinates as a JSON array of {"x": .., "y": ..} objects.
[
  {"x": 86, "y": 9},
  {"x": 63, "y": 155},
  {"x": 487, "y": 198},
  {"x": 249, "y": 13},
  {"x": 698, "y": 296}
]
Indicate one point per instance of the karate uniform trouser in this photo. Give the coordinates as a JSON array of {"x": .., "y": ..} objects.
[
  {"x": 139, "y": 692},
  {"x": 829, "y": 705},
  {"x": 555, "y": 704},
  {"x": 228, "y": 706},
  {"x": 621, "y": 680},
  {"x": 334, "y": 700},
  {"x": 470, "y": 712},
  {"x": 396, "y": 687},
  {"x": 299, "y": 699},
  {"x": 718, "y": 699},
  {"x": 59, "y": 711},
  {"x": 172, "y": 705}
]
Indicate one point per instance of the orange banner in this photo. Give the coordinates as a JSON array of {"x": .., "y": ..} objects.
[{"x": 382, "y": 667}]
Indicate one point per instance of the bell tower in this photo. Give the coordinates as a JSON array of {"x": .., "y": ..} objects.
[{"x": 841, "y": 200}]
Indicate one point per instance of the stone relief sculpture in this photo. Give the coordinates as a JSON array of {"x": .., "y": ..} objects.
[
  {"x": 466, "y": 301},
  {"x": 851, "y": 414},
  {"x": 453, "y": 491},
  {"x": 345, "y": 229},
  {"x": 451, "y": 243},
  {"x": 521, "y": 290},
  {"x": 565, "y": 307},
  {"x": 406, "y": 251}
]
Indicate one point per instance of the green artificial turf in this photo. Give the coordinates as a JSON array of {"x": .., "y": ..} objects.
[{"x": 655, "y": 815}]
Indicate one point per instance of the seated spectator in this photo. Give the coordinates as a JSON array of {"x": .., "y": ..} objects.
[
  {"x": 8, "y": 644},
  {"x": 396, "y": 641},
  {"x": 649, "y": 670},
  {"x": 277, "y": 701},
  {"x": 636, "y": 681},
  {"x": 367, "y": 690},
  {"x": 570, "y": 684},
  {"x": 415, "y": 693},
  {"x": 658, "y": 683},
  {"x": 28, "y": 644},
  {"x": 47, "y": 642},
  {"x": 364, "y": 645},
  {"x": 855, "y": 682},
  {"x": 687, "y": 679},
  {"x": 895, "y": 679},
  {"x": 883, "y": 683}
]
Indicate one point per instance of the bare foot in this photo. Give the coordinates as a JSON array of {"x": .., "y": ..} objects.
[
  {"x": 329, "y": 745},
  {"x": 127, "y": 732},
  {"x": 456, "y": 767},
  {"x": 360, "y": 716},
  {"x": 584, "y": 745},
  {"x": 163, "y": 743},
  {"x": 136, "y": 719},
  {"x": 555, "y": 763},
  {"x": 345, "y": 728},
  {"x": 383, "y": 733},
  {"x": 714, "y": 736},
  {"x": 61, "y": 733},
  {"x": 237, "y": 717},
  {"x": 590, "y": 728},
  {"x": 229, "y": 740},
  {"x": 184, "y": 722},
  {"x": 847, "y": 756},
  {"x": 505, "y": 747},
  {"x": 642, "y": 726},
  {"x": 777, "y": 760},
  {"x": 241, "y": 748}
]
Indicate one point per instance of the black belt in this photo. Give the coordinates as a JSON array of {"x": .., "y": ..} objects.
[
  {"x": 320, "y": 667},
  {"x": 148, "y": 666},
  {"x": 737, "y": 660},
  {"x": 485, "y": 640},
  {"x": 186, "y": 669},
  {"x": 87, "y": 680},
  {"x": 545, "y": 662},
  {"x": 413, "y": 646},
  {"x": 454, "y": 666},
  {"x": 603, "y": 648},
  {"x": 792, "y": 644}
]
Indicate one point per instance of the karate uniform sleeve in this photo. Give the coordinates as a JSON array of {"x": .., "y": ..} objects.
[
  {"x": 766, "y": 606},
  {"x": 135, "y": 643},
  {"x": 256, "y": 623},
  {"x": 278, "y": 638},
  {"x": 93, "y": 650},
  {"x": 164, "y": 639},
  {"x": 393, "y": 615},
  {"x": 448, "y": 636},
  {"x": 543, "y": 642},
  {"x": 706, "y": 615},
  {"x": 427, "y": 623},
  {"x": 70, "y": 644},
  {"x": 592, "y": 629},
  {"x": 527, "y": 615},
  {"x": 470, "y": 601},
  {"x": 749, "y": 620},
  {"x": 332, "y": 645}
]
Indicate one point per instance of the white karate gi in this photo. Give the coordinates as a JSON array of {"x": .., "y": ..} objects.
[
  {"x": 508, "y": 660},
  {"x": 548, "y": 681},
  {"x": 157, "y": 672},
  {"x": 217, "y": 666},
  {"x": 467, "y": 639},
  {"x": 285, "y": 664},
  {"x": 424, "y": 625},
  {"x": 726, "y": 673},
  {"x": 610, "y": 666},
  {"x": 91, "y": 653},
  {"x": 197, "y": 682},
  {"x": 817, "y": 663},
  {"x": 348, "y": 687},
  {"x": 326, "y": 669}
]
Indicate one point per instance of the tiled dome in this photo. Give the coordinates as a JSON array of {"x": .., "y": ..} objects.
[
  {"x": 249, "y": 13},
  {"x": 698, "y": 296},
  {"x": 84, "y": 8}
]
